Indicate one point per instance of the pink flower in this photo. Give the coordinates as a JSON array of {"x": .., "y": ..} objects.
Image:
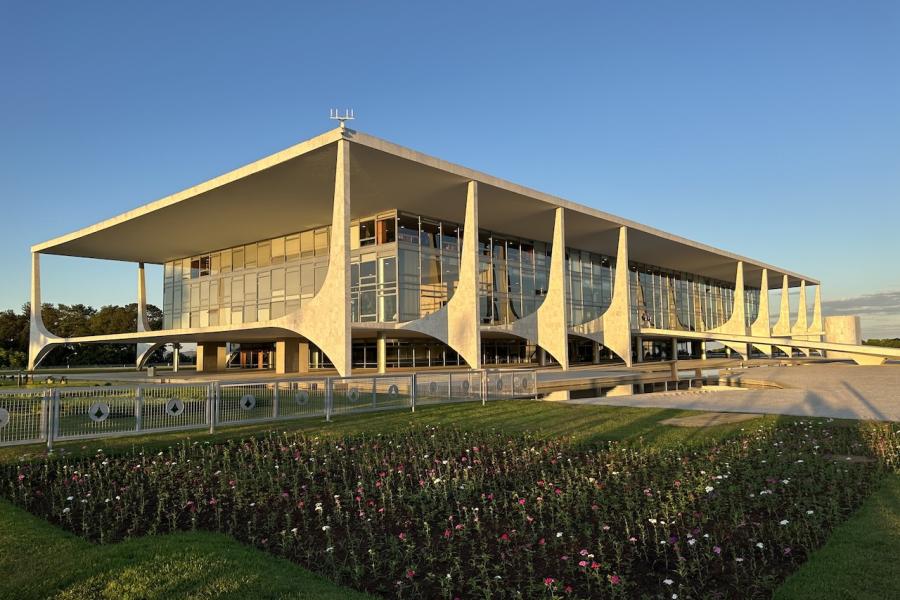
[
  {"x": 521, "y": 501},
  {"x": 595, "y": 565},
  {"x": 541, "y": 542},
  {"x": 717, "y": 550},
  {"x": 582, "y": 563},
  {"x": 615, "y": 579},
  {"x": 549, "y": 581},
  {"x": 504, "y": 537},
  {"x": 410, "y": 573}
]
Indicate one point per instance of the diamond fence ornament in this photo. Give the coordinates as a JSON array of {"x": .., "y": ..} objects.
[
  {"x": 248, "y": 401},
  {"x": 98, "y": 412},
  {"x": 393, "y": 390},
  {"x": 174, "y": 407},
  {"x": 353, "y": 394}
]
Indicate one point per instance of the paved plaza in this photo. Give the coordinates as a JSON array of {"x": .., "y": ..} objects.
[{"x": 835, "y": 390}]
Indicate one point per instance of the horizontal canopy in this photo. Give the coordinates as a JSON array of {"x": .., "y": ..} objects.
[{"x": 292, "y": 191}]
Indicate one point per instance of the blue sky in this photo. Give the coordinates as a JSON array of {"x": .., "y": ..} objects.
[{"x": 771, "y": 129}]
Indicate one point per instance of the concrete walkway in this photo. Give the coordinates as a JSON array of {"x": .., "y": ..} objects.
[{"x": 826, "y": 390}]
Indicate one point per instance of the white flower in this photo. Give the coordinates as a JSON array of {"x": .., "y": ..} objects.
[
  {"x": 326, "y": 527},
  {"x": 691, "y": 542},
  {"x": 652, "y": 521},
  {"x": 559, "y": 534},
  {"x": 809, "y": 512},
  {"x": 668, "y": 581},
  {"x": 739, "y": 560},
  {"x": 674, "y": 596},
  {"x": 70, "y": 498},
  {"x": 783, "y": 522},
  {"x": 329, "y": 549},
  {"x": 66, "y": 509},
  {"x": 759, "y": 545},
  {"x": 709, "y": 488},
  {"x": 294, "y": 530}
]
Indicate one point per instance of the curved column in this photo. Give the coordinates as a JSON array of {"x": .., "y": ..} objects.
[
  {"x": 552, "y": 324},
  {"x": 40, "y": 341},
  {"x": 617, "y": 318},
  {"x": 737, "y": 323},
  {"x": 801, "y": 326},
  {"x": 782, "y": 327},
  {"x": 613, "y": 327},
  {"x": 325, "y": 319},
  {"x": 457, "y": 322},
  {"x": 144, "y": 350},
  {"x": 761, "y": 327},
  {"x": 547, "y": 326}
]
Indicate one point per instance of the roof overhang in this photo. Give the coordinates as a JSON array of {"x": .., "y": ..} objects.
[{"x": 292, "y": 191}]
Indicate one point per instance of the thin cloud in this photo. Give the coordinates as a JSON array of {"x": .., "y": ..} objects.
[{"x": 882, "y": 303}]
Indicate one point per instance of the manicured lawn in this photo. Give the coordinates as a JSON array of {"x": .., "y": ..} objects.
[
  {"x": 39, "y": 560},
  {"x": 201, "y": 564},
  {"x": 860, "y": 560}
]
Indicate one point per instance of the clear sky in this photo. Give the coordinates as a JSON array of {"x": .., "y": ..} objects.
[{"x": 771, "y": 129}]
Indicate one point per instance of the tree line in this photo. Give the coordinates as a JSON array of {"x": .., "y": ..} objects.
[
  {"x": 884, "y": 343},
  {"x": 70, "y": 320}
]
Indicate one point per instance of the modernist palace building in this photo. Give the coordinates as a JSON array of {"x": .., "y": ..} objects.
[{"x": 347, "y": 251}]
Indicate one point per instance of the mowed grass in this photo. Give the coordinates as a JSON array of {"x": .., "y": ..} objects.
[
  {"x": 43, "y": 561},
  {"x": 39, "y": 560},
  {"x": 583, "y": 424},
  {"x": 860, "y": 559}
]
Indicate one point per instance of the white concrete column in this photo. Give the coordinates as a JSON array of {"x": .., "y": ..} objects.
[
  {"x": 463, "y": 324},
  {"x": 782, "y": 327},
  {"x": 144, "y": 350},
  {"x": 760, "y": 326},
  {"x": 801, "y": 326},
  {"x": 617, "y": 318},
  {"x": 40, "y": 341},
  {"x": 816, "y": 327},
  {"x": 176, "y": 358},
  {"x": 381, "y": 351},
  {"x": 552, "y": 324},
  {"x": 639, "y": 343},
  {"x": 325, "y": 319},
  {"x": 596, "y": 353}
]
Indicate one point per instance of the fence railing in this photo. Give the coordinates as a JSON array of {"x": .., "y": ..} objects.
[{"x": 63, "y": 414}]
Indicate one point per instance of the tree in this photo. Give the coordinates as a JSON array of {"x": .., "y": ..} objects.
[{"x": 75, "y": 320}]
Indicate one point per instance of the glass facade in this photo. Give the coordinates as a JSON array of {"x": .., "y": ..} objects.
[
  {"x": 405, "y": 266},
  {"x": 664, "y": 299}
]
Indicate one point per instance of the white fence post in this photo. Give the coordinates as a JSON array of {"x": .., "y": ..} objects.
[
  {"x": 212, "y": 405},
  {"x": 275, "y": 401},
  {"x": 412, "y": 392},
  {"x": 138, "y": 408},
  {"x": 329, "y": 391},
  {"x": 47, "y": 419}
]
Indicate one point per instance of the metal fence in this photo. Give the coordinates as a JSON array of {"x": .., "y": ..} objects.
[{"x": 62, "y": 414}]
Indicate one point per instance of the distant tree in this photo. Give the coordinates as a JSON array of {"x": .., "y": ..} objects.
[
  {"x": 885, "y": 343},
  {"x": 75, "y": 320}
]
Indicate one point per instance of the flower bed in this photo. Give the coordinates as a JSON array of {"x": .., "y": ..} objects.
[{"x": 443, "y": 513}]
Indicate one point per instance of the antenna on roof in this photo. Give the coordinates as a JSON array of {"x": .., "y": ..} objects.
[{"x": 346, "y": 116}]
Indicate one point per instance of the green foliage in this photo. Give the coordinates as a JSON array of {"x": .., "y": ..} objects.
[
  {"x": 72, "y": 320},
  {"x": 41, "y": 561},
  {"x": 860, "y": 559},
  {"x": 499, "y": 511},
  {"x": 885, "y": 343},
  {"x": 12, "y": 359}
]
